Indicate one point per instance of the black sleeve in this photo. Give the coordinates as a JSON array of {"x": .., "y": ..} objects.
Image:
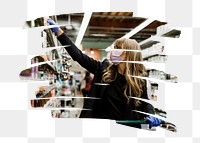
[
  {"x": 85, "y": 61},
  {"x": 147, "y": 108}
]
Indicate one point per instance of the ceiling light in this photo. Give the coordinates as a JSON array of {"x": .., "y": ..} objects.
[
  {"x": 92, "y": 52},
  {"x": 99, "y": 35}
]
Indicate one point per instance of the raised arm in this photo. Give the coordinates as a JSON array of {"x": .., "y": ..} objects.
[{"x": 85, "y": 61}]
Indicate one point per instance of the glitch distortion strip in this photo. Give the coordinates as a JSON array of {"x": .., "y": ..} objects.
[{"x": 54, "y": 66}]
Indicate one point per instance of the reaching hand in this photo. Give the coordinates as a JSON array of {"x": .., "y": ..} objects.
[
  {"x": 153, "y": 121},
  {"x": 51, "y": 22}
]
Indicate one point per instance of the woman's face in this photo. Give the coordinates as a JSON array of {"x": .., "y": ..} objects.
[
  {"x": 117, "y": 56},
  {"x": 119, "y": 51}
]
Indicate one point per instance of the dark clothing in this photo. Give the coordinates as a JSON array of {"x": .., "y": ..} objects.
[
  {"x": 113, "y": 101},
  {"x": 85, "y": 92},
  {"x": 110, "y": 103},
  {"x": 88, "y": 84}
]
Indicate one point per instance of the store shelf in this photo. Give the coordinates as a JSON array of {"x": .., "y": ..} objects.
[
  {"x": 154, "y": 84},
  {"x": 160, "y": 75},
  {"x": 47, "y": 90},
  {"x": 150, "y": 41},
  {"x": 172, "y": 33},
  {"x": 146, "y": 58}
]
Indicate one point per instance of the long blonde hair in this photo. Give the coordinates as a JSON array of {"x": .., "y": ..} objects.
[{"x": 134, "y": 84}]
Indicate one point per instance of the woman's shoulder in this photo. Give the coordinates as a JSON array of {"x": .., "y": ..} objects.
[
  {"x": 104, "y": 64},
  {"x": 105, "y": 61}
]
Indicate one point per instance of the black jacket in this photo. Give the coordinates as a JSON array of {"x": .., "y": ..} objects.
[{"x": 98, "y": 68}]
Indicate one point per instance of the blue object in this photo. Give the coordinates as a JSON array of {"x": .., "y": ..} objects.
[
  {"x": 51, "y": 22},
  {"x": 60, "y": 81},
  {"x": 153, "y": 121}
]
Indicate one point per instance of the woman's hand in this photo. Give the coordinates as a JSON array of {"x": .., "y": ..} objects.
[
  {"x": 56, "y": 29},
  {"x": 153, "y": 121},
  {"x": 51, "y": 22}
]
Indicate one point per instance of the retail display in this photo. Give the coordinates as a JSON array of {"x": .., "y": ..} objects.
[
  {"x": 167, "y": 31},
  {"x": 153, "y": 88},
  {"x": 153, "y": 51},
  {"x": 61, "y": 95},
  {"x": 156, "y": 74}
]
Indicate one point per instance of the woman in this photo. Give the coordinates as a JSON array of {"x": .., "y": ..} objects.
[{"x": 113, "y": 87}]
